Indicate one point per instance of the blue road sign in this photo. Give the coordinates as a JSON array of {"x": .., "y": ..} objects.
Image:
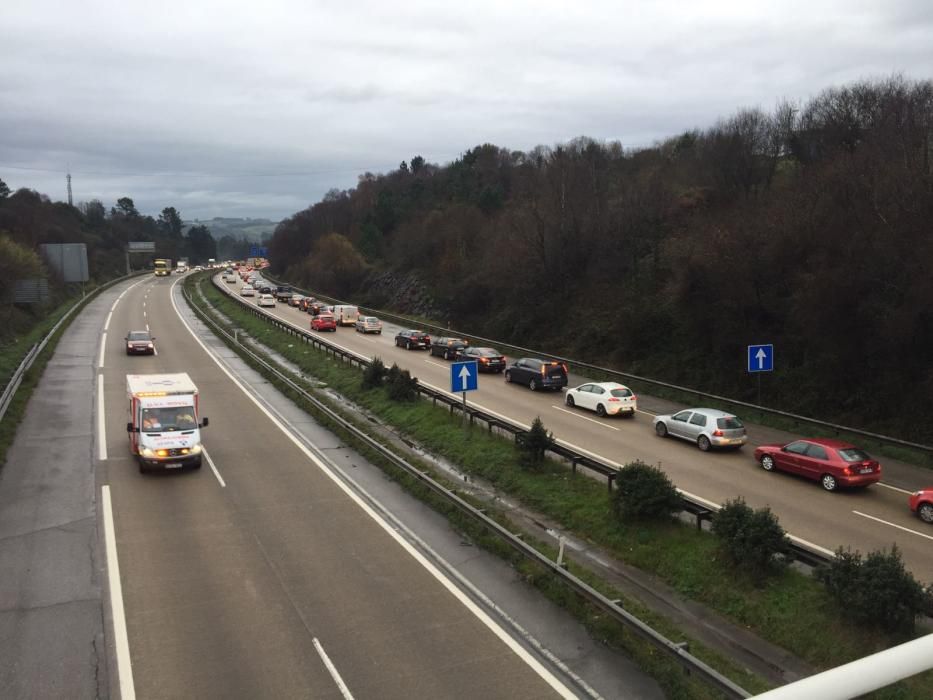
[
  {"x": 464, "y": 376},
  {"x": 760, "y": 358},
  {"x": 256, "y": 251}
]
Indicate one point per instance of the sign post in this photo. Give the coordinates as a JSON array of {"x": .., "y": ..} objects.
[
  {"x": 760, "y": 359},
  {"x": 464, "y": 377}
]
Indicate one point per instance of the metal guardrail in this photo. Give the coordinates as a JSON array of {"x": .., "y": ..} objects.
[
  {"x": 676, "y": 651},
  {"x": 701, "y": 511},
  {"x": 624, "y": 375},
  {"x": 16, "y": 378}
]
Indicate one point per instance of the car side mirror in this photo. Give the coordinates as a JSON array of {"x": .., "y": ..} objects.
[
  {"x": 129, "y": 428},
  {"x": 205, "y": 422}
]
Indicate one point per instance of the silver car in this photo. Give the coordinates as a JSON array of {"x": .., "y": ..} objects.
[
  {"x": 369, "y": 324},
  {"x": 706, "y": 427}
]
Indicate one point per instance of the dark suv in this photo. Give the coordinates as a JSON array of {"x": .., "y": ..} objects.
[
  {"x": 413, "y": 340},
  {"x": 448, "y": 348},
  {"x": 537, "y": 374}
]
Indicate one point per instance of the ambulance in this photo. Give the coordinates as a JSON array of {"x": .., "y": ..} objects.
[{"x": 164, "y": 426}]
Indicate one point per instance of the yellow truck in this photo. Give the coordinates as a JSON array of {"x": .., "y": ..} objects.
[{"x": 163, "y": 268}]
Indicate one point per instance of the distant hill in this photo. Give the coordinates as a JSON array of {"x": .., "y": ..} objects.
[{"x": 253, "y": 230}]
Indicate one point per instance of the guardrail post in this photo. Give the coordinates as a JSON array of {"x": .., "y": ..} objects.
[{"x": 609, "y": 479}]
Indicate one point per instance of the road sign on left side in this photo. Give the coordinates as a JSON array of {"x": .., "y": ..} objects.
[{"x": 464, "y": 376}]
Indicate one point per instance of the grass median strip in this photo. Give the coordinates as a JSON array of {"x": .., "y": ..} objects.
[{"x": 790, "y": 610}]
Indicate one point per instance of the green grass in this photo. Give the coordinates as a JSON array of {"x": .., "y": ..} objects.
[{"x": 791, "y": 610}]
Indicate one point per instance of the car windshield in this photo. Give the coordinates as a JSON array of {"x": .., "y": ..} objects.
[
  {"x": 729, "y": 423},
  {"x": 168, "y": 419},
  {"x": 138, "y": 335},
  {"x": 854, "y": 454},
  {"x": 621, "y": 393}
]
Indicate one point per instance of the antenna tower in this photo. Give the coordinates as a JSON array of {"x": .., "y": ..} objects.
[{"x": 68, "y": 178}]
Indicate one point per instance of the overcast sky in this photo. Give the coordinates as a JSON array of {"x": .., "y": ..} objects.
[{"x": 258, "y": 108}]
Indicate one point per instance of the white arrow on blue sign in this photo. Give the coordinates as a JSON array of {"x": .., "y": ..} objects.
[
  {"x": 760, "y": 358},
  {"x": 464, "y": 376}
]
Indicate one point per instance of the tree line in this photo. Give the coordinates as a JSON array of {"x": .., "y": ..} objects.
[{"x": 808, "y": 226}]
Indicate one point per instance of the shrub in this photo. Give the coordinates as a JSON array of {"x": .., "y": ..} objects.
[
  {"x": 876, "y": 591},
  {"x": 752, "y": 539},
  {"x": 402, "y": 386},
  {"x": 644, "y": 492},
  {"x": 535, "y": 443},
  {"x": 374, "y": 375}
]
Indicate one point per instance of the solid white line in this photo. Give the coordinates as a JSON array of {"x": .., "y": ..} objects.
[
  {"x": 822, "y": 550},
  {"x": 101, "y": 423},
  {"x": 895, "y": 488},
  {"x": 121, "y": 641},
  {"x": 344, "y": 690},
  {"x": 117, "y": 301},
  {"x": 107, "y": 322},
  {"x": 591, "y": 420},
  {"x": 491, "y": 624},
  {"x": 899, "y": 527},
  {"x": 103, "y": 344},
  {"x": 210, "y": 463}
]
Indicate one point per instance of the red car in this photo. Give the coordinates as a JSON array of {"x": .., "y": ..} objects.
[
  {"x": 921, "y": 503},
  {"x": 323, "y": 322},
  {"x": 831, "y": 462}
]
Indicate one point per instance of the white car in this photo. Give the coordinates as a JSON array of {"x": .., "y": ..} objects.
[
  {"x": 247, "y": 291},
  {"x": 266, "y": 300},
  {"x": 368, "y": 324},
  {"x": 606, "y": 398}
]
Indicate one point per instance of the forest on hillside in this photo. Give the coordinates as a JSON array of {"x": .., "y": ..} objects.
[{"x": 809, "y": 226}]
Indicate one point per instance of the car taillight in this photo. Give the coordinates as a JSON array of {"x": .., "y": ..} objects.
[
  {"x": 484, "y": 360},
  {"x": 613, "y": 399},
  {"x": 847, "y": 470},
  {"x": 717, "y": 432},
  {"x": 564, "y": 365}
]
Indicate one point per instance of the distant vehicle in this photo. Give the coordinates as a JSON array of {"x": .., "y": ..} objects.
[
  {"x": 413, "y": 340},
  {"x": 318, "y": 307},
  {"x": 831, "y": 462},
  {"x": 265, "y": 299},
  {"x": 323, "y": 322},
  {"x": 346, "y": 315},
  {"x": 369, "y": 324},
  {"x": 230, "y": 277},
  {"x": 295, "y": 300},
  {"x": 921, "y": 503},
  {"x": 181, "y": 267},
  {"x": 283, "y": 293},
  {"x": 448, "y": 348},
  {"x": 264, "y": 289},
  {"x": 537, "y": 374},
  {"x": 705, "y": 427},
  {"x": 487, "y": 359},
  {"x": 606, "y": 398},
  {"x": 140, "y": 343},
  {"x": 198, "y": 268},
  {"x": 247, "y": 291},
  {"x": 162, "y": 267},
  {"x": 305, "y": 303}
]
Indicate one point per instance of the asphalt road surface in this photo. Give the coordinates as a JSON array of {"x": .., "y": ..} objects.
[{"x": 866, "y": 520}]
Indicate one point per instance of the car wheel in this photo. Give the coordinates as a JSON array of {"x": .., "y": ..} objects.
[
  {"x": 533, "y": 385},
  {"x": 408, "y": 345},
  {"x": 508, "y": 377},
  {"x": 660, "y": 429},
  {"x": 925, "y": 511},
  {"x": 703, "y": 443},
  {"x": 829, "y": 482},
  {"x": 767, "y": 463},
  {"x": 569, "y": 401},
  {"x": 600, "y": 410}
]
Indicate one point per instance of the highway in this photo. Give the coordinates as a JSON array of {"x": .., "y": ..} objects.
[
  {"x": 865, "y": 520},
  {"x": 264, "y": 573}
]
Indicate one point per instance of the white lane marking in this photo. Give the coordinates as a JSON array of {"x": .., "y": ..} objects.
[
  {"x": 144, "y": 303},
  {"x": 103, "y": 344},
  {"x": 436, "y": 364},
  {"x": 464, "y": 600},
  {"x": 155, "y": 352},
  {"x": 121, "y": 641},
  {"x": 591, "y": 420},
  {"x": 822, "y": 550},
  {"x": 116, "y": 301},
  {"x": 210, "y": 463},
  {"x": 899, "y": 527},
  {"x": 107, "y": 322},
  {"x": 344, "y": 690},
  {"x": 101, "y": 429},
  {"x": 144, "y": 314},
  {"x": 895, "y": 488}
]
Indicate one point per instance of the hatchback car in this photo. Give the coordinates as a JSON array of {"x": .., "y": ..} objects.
[
  {"x": 296, "y": 300},
  {"x": 537, "y": 374},
  {"x": 487, "y": 359},
  {"x": 921, "y": 503},
  {"x": 368, "y": 324},
  {"x": 705, "y": 427},
  {"x": 324, "y": 322},
  {"x": 266, "y": 300},
  {"x": 606, "y": 398},
  {"x": 831, "y": 462},
  {"x": 247, "y": 291},
  {"x": 140, "y": 343},
  {"x": 448, "y": 348},
  {"x": 413, "y": 340}
]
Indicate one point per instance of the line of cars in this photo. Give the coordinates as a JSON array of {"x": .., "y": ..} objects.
[{"x": 832, "y": 463}]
